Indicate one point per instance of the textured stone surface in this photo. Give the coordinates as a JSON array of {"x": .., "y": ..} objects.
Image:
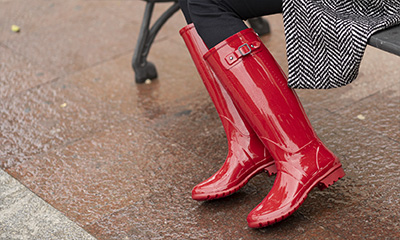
[
  {"x": 18, "y": 74},
  {"x": 48, "y": 116},
  {"x": 120, "y": 159},
  {"x": 67, "y": 36},
  {"x": 106, "y": 172},
  {"x": 379, "y": 112},
  {"x": 23, "y": 215},
  {"x": 368, "y": 195}
]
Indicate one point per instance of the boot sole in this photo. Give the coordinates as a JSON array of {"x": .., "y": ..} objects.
[
  {"x": 322, "y": 183},
  {"x": 270, "y": 168}
]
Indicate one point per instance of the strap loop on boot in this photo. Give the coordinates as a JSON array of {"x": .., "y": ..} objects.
[{"x": 243, "y": 50}]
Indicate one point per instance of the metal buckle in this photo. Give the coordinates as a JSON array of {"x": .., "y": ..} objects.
[{"x": 246, "y": 53}]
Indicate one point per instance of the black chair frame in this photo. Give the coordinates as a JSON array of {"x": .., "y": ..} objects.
[
  {"x": 143, "y": 69},
  {"x": 146, "y": 70}
]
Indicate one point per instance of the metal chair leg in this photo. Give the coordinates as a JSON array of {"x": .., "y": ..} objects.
[{"x": 143, "y": 69}]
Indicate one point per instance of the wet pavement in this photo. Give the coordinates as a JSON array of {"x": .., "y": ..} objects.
[{"x": 117, "y": 160}]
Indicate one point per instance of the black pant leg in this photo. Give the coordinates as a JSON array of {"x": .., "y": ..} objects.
[
  {"x": 216, "y": 20},
  {"x": 184, "y": 7}
]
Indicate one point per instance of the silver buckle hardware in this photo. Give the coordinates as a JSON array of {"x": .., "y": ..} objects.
[
  {"x": 246, "y": 52},
  {"x": 242, "y": 51}
]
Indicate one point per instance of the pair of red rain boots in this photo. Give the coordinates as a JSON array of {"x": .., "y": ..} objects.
[{"x": 266, "y": 127}]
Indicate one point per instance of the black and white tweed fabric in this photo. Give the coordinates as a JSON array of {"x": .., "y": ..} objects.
[{"x": 326, "y": 39}]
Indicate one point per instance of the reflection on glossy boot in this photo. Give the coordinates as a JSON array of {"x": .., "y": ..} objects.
[
  {"x": 312, "y": 166},
  {"x": 259, "y": 89},
  {"x": 247, "y": 155},
  {"x": 239, "y": 167}
]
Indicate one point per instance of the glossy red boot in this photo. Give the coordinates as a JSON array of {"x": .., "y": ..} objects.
[
  {"x": 247, "y": 155},
  {"x": 259, "y": 89}
]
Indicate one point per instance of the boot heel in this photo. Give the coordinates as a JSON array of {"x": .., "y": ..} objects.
[
  {"x": 271, "y": 169},
  {"x": 331, "y": 178}
]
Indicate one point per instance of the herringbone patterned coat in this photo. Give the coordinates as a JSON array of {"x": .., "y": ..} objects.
[{"x": 326, "y": 39}]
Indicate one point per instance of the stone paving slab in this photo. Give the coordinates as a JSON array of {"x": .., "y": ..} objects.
[
  {"x": 120, "y": 159},
  {"x": 72, "y": 34},
  {"x": 362, "y": 204},
  {"x": 112, "y": 82},
  {"x": 19, "y": 74},
  {"x": 23, "y": 215},
  {"x": 379, "y": 112},
  {"x": 48, "y": 116}
]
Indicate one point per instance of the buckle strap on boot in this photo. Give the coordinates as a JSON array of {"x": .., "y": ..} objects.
[{"x": 242, "y": 51}]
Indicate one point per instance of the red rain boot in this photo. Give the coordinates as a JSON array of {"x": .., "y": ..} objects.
[
  {"x": 259, "y": 89},
  {"x": 247, "y": 155}
]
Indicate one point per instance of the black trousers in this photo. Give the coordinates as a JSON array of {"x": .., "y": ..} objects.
[{"x": 216, "y": 20}]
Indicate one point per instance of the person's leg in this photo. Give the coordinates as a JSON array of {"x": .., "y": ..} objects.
[
  {"x": 259, "y": 90},
  {"x": 247, "y": 155},
  {"x": 184, "y": 8},
  {"x": 260, "y": 25},
  {"x": 216, "y": 20}
]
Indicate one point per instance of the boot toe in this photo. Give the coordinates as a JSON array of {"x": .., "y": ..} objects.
[
  {"x": 203, "y": 192},
  {"x": 199, "y": 194},
  {"x": 259, "y": 218}
]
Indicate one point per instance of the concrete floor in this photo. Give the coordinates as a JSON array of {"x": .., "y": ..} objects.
[{"x": 96, "y": 155}]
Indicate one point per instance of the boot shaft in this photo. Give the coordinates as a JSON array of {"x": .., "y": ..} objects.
[
  {"x": 247, "y": 155},
  {"x": 259, "y": 89},
  {"x": 258, "y": 85},
  {"x": 234, "y": 124}
]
